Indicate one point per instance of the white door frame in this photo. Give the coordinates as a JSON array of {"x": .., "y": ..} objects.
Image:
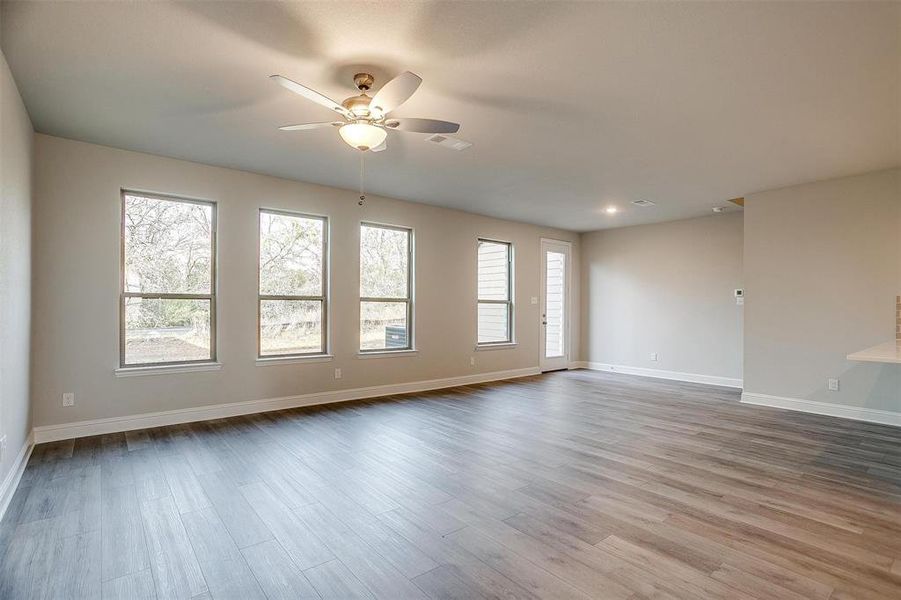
[{"x": 553, "y": 364}]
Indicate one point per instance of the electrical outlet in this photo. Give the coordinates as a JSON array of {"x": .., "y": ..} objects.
[
  {"x": 832, "y": 384},
  {"x": 654, "y": 356},
  {"x": 69, "y": 399},
  {"x": 337, "y": 373},
  {"x": 472, "y": 361}
]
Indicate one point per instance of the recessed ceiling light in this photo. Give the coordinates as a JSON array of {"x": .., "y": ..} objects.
[{"x": 610, "y": 210}]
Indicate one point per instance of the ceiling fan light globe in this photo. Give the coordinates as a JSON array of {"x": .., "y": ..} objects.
[{"x": 362, "y": 136}]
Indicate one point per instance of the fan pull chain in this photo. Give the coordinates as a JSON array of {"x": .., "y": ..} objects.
[{"x": 362, "y": 172}]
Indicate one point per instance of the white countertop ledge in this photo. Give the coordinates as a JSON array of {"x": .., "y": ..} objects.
[
  {"x": 167, "y": 369},
  {"x": 889, "y": 352},
  {"x": 498, "y": 346},
  {"x": 386, "y": 353},
  {"x": 293, "y": 360}
]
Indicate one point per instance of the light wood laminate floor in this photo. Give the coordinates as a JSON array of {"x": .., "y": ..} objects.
[{"x": 570, "y": 485}]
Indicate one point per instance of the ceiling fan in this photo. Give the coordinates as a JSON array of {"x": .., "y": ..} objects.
[{"x": 365, "y": 123}]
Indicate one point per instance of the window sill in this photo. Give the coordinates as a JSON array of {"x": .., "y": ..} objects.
[
  {"x": 167, "y": 369},
  {"x": 386, "y": 353},
  {"x": 504, "y": 346},
  {"x": 293, "y": 360}
]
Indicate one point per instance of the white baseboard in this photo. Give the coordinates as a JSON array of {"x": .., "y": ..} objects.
[
  {"x": 64, "y": 431},
  {"x": 661, "y": 374},
  {"x": 871, "y": 415},
  {"x": 11, "y": 481}
]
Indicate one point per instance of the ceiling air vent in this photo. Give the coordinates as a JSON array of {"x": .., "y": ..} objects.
[
  {"x": 448, "y": 142},
  {"x": 643, "y": 203}
]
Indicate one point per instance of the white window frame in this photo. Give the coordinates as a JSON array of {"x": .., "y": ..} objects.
[
  {"x": 509, "y": 301},
  {"x": 124, "y": 295},
  {"x": 410, "y": 347},
  {"x": 323, "y": 298}
]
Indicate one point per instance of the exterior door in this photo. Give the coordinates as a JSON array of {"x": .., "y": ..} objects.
[{"x": 555, "y": 303}]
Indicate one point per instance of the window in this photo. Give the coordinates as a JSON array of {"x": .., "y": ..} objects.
[
  {"x": 168, "y": 302},
  {"x": 293, "y": 284},
  {"x": 386, "y": 306},
  {"x": 495, "y": 297}
]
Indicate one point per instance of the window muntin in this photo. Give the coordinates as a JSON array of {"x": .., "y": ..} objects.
[
  {"x": 168, "y": 272},
  {"x": 495, "y": 292},
  {"x": 386, "y": 288},
  {"x": 293, "y": 284}
]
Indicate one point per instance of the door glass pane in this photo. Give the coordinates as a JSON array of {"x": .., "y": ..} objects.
[
  {"x": 494, "y": 323},
  {"x": 384, "y": 256},
  {"x": 158, "y": 331},
  {"x": 290, "y": 327},
  {"x": 554, "y": 304},
  {"x": 168, "y": 246},
  {"x": 383, "y": 326},
  {"x": 291, "y": 255}
]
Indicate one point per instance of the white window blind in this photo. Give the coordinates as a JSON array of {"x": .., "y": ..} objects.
[{"x": 495, "y": 297}]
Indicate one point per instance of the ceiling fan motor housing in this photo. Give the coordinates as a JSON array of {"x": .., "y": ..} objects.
[{"x": 358, "y": 105}]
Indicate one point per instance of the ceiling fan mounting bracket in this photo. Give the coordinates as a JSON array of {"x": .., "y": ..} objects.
[{"x": 363, "y": 81}]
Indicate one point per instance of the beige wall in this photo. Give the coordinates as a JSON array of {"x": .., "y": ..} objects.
[
  {"x": 76, "y": 266},
  {"x": 821, "y": 275},
  {"x": 16, "y": 137},
  {"x": 665, "y": 288}
]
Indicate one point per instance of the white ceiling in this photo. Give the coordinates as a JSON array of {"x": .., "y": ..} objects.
[{"x": 570, "y": 107}]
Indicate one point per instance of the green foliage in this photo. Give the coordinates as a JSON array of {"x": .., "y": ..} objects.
[
  {"x": 384, "y": 256},
  {"x": 168, "y": 249},
  {"x": 291, "y": 255},
  {"x": 146, "y": 313}
]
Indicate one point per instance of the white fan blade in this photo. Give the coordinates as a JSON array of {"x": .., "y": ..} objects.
[
  {"x": 304, "y": 126},
  {"x": 308, "y": 93},
  {"x": 395, "y": 92},
  {"x": 380, "y": 147},
  {"x": 423, "y": 125}
]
